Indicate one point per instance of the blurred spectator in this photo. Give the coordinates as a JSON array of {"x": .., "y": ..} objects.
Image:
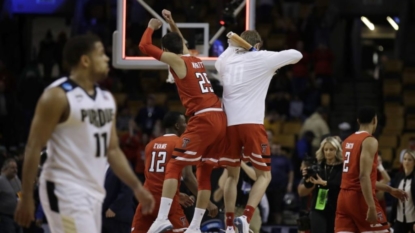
[
  {"x": 403, "y": 212},
  {"x": 411, "y": 146},
  {"x": 118, "y": 207},
  {"x": 303, "y": 149},
  {"x": 317, "y": 123},
  {"x": 47, "y": 54},
  {"x": 133, "y": 149},
  {"x": 282, "y": 178},
  {"x": 10, "y": 187},
  {"x": 324, "y": 183},
  {"x": 124, "y": 119},
  {"x": 300, "y": 71},
  {"x": 62, "y": 38},
  {"x": 311, "y": 97},
  {"x": 323, "y": 60},
  {"x": 148, "y": 115},
  {"x": 296, "y": 108},
  {"x": 345, "y": 130},
  {"x": 6, "y": 110},
  {"x": 280, "y": 104}
]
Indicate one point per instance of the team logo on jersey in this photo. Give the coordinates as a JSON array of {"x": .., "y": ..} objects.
[
  {"x": 183, "y": 220},
  {"x": 349, "y": 145},
  {"x": 264, "y": 148},
  {"x": 380, "y": 217},
  {"x": 185, "y": 142},
  {"x": 67, "y": 86},
  {"x": 97, "y": 117}
]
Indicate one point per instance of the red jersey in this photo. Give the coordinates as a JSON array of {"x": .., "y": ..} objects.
[
  {"x": 158, "y": 153},
  {"x": 352, "y": 147},
  {"x": 195, "y": 90}
]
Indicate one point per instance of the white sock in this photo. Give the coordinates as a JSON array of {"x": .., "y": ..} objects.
[
  {"x": 197, "y": 218},
  {"x": 164, "y": 209}
]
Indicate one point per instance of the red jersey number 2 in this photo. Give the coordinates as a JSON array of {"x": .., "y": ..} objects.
[{"x": 204, "y": 83}]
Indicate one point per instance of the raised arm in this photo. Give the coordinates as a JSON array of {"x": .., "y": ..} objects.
[
  {"x": 173, "y": 27},
  {"x": 146, "y": 46},
  {"x": 369, "y": 148},
  {"x": 276, "y": 60},
  {"x": 50, "y": 110}
]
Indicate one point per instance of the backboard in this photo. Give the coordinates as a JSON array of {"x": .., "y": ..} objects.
[{"x": 122, "y": 61}]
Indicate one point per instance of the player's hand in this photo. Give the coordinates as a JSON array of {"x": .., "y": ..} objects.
[
  {"x": 213, "y": 210},
  {"x": 167, "y": 16},
  {"x": 399, "y": 194},
  {"x": 25, "y": 212},
  {"x": 146, "y": 200},
  {"x": 154, "y": 24},
  {"x": 371, "y": 216},
  {"x": 185, "y": 200},
  {"x": 109, "y": 213}
]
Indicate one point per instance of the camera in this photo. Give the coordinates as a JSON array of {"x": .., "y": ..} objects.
[{"x": 313, "y": 168}]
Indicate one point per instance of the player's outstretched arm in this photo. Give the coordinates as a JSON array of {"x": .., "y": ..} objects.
[
  {"x": 50, "y": 110},
  {"x": 276, "y": 60},
  {"x": 369, "y": 149},
  {"x": 122, "y": 169},
  {"x": 173, "y": 27},
  {"x": 397, "y": 193},
  {"x": 146, "y": 46}
]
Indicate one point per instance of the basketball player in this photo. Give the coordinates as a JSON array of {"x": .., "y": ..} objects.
[
  {"x": 359, "y": 181},
  {"x": 76, "y": 119},
  {"x": 246, "y": 77},
  {"x": 206, "y": 129}
]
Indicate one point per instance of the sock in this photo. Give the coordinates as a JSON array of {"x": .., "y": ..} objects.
[
  {"x": 229, "y": 219},
  {"x": 197, "y": 218},
  {"x": 164, "y": 209},
  {"x": 248, "y": 212}
]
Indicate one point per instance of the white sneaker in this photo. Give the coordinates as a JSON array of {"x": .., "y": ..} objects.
[
  {"x": 160, "y": 226},
  {"x": 241, "y": 224},
  {"x": 193, "y": 230}
]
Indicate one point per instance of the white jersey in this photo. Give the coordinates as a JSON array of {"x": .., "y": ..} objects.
[
  {"x": 77, "y": 148},
  {"x": 245, "y": 77}
]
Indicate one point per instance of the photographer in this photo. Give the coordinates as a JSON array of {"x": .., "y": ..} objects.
[{"x": 322, "y": 178}]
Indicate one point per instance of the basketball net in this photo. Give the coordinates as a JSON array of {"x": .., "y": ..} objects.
[{"x": 170, "y": 78}]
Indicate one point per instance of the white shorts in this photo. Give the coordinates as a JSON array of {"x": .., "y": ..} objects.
[{"x": 70, "y": 210}]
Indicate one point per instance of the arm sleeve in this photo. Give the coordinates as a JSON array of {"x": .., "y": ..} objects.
[
  {"x": 276, "y": 60},
  {"x": 146, "y": 45}
]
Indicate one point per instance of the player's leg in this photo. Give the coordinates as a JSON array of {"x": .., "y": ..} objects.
[
  {"x": 360, "y": 216},
  {"x": 233, "y": 163},
  {"x": 186, "y": 153},
  {"x": 68, "y": 209},
  {"x": 257, "y": 152},
  {"x": 344, "y": 223}
]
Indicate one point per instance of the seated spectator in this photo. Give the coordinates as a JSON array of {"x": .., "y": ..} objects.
[
  {"x": 148, "y": 115},
  {"x": 403, "y": 212},
  {"x": 296, "y": 108},
  {"x": 317, "y": 123},
  {"x": 10, "y": 188},
  {"x": 282, "y": 178}
]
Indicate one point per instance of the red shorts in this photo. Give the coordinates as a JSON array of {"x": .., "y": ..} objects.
[
  {"x": 141, "y": 223},
  {"x": 249, "y": 142},
  {"x": 203, "y": 139},
  {"x": 351, "y": 217}
]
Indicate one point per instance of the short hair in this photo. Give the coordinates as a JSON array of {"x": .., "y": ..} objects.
[
  {"x": 6, "y": 163},
  {"x": 78, "y": 46},
  {"x": 366, "y": 114},
  {"x": 335, "y": 143},
  {"x": 170, "y": 119},
  {"x": 252, "y": 37},
  {"x": 173, "y": 42}
]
